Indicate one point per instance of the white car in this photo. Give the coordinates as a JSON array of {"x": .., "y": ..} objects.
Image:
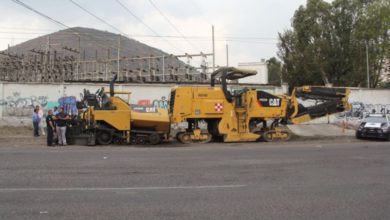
[{"x": 374, "y": 126}]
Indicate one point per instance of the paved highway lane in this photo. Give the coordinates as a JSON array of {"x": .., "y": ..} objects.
[{"x": 295, "y": 180}]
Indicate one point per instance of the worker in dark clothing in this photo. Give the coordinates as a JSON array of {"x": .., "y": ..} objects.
[
  {"x": 61, "y": 119},
  {"x": 50, "y": 128}
]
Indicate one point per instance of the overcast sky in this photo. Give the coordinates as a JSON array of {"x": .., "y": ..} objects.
[{"x": 249, "y": 27}]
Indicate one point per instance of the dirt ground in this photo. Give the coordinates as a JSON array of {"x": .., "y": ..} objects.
[
  {"x": 8, "y": 131},
  {"x": 19, "y": 136}
]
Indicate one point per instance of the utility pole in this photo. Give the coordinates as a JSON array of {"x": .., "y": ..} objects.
[
  {"x": 227, "y": 55},
  {"x": 367, "y": 66},
  {"x": 47, "y": 44},
  {"x": 79, "y": 57},
  {"x": 149, "y": 64},
  {"x": 119, "y": 53},
  {"x": 213, "y": 41},
  {"x": 163, "y": 68},
  {"x": 47, "y": 56},
  {"x": 281, "y": 74},
  {"x": 108, "y": 63}
]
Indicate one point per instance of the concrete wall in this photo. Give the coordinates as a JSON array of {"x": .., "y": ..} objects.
[
  {"x": 371, "y": 98},
  {"x": 17, "y": 99},
  {"x": 363, "y": 101}
]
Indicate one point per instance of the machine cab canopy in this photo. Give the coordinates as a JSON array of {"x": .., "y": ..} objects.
[{"x": 230, "y": 73}]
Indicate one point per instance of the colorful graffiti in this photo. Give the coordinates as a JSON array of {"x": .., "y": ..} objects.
[
  {"x": 69, "y": 104},
  {"x": 16, "y": 105},
  {"x": 19, "y": 106},
  {"x": 158, "y": 103}
]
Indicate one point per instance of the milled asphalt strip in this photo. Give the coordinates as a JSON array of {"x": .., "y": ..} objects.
[{"x": 120, "y": 188}]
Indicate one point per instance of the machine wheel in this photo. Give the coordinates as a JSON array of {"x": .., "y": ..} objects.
[
  {"x": 177, "y": 136},
  {"x": 104, "y": 137},
  {"x": 140, "y": 140},
  {"x": 209, "y": 138},
  {"x": 273, "y": 135},
  {"x": 154, "y": 138},
  {"x": 184, "y": 138}
]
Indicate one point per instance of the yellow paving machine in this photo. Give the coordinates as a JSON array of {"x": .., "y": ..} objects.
[
  {"x": 211, "y": 112},
  {"x": 107, "y": 117},
  {"x": 247, "y": 114}
]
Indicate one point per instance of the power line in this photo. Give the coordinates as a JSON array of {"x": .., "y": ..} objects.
[
  {"x": 26, "y": 33},
  {"x": 97, "y": 17},
  {"x": 51, "y": 19},
  {"x": 222, "y": 40},
  {"x": 200, "y": 11},
  {"x": 227, "y": 38},
  {"x": 100, "y": 19},
  {"x": 149, "y": 36},
  {"x": 170, "y": 23},
  {"x": 143, "y": 23},
  {"x": 40, "y": 13},
  {"x": 25, "y": 29},
  {"x": 249, "y": 40}
]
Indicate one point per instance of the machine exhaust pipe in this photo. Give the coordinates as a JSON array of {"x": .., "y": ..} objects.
[{"x": 112, "y": 92}]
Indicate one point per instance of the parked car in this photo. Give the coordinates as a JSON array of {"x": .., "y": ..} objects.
[{"x": 374, "y": 126}]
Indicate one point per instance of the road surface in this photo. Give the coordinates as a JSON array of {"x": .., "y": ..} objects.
[{"x": 295, "y": 180}]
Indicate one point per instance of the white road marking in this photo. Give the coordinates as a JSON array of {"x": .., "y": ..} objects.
[{"x": 120, "y": 188}]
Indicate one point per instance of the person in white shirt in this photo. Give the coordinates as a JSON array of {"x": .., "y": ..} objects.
[{"x": 40, "y": 115}]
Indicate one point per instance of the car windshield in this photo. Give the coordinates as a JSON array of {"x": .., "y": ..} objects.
[{"x": 375, "y": 119}]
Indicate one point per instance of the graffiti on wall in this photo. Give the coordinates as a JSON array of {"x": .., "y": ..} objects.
[
  {"x": 360, "y": 110},
  {"x": 158, "y": 103},
  {"x": 69, "y": 104},
  {"x": 17, "y": 105},
  {"x": 21, "y": 106}
]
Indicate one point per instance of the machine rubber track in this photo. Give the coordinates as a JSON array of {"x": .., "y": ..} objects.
[{"x": 185, "y": 138}]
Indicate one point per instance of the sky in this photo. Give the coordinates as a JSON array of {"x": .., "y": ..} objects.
[{"x": 249, "y": 27}]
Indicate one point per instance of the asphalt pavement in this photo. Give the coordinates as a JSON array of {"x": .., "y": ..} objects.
[{"x": 295, "y": 180}]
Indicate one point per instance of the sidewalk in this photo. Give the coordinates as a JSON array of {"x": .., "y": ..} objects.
[{"x": 325, "y": 130}]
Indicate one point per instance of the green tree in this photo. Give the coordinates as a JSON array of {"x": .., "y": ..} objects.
[
  {"x": 274, "y": 71},
  {"x": 373, "y": 29},
  {"x": 327, "y": 42}
]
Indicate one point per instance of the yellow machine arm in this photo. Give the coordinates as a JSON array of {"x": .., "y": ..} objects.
[{"x": 328, "y": 100}]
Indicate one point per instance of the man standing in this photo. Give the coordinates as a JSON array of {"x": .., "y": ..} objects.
[
  {"x": 50, "y": 128},
  {"x": 35, "y": 120},
  {"x": 55, "y": 110},
  {"x": 61, "y": 120}
]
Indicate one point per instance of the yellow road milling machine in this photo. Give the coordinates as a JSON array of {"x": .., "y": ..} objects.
[
  {"x": 247, "y": 114},
  {"x": 111, "y": 119}
]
